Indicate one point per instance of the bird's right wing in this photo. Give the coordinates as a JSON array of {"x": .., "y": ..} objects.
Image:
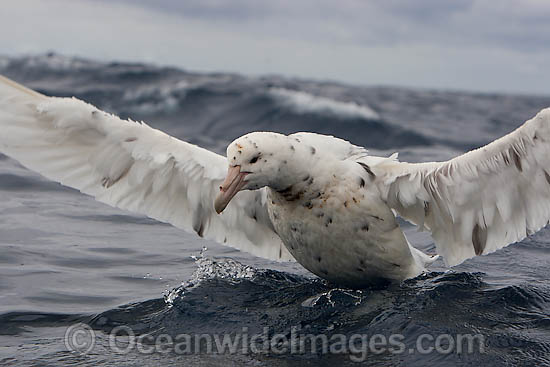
[{"x": 132, "y": 166}]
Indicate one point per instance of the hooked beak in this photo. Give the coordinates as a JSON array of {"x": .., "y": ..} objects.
[{"x": 233, "y": 183}]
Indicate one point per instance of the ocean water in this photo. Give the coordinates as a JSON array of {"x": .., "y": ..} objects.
[{"x": 77, "y": 277}]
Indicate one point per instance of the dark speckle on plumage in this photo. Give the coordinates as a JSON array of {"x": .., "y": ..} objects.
[
  {"x": 367, "y": 168},
  {"x": 285, "y": 190}
]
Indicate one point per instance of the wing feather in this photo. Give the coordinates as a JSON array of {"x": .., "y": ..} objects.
[
  {"x": 480, "y": 201},
  {"x": 132, "y": 166}
]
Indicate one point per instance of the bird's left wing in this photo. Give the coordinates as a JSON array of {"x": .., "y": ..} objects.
[
  {"x": 131, "y": 166},
  {"x": 481, "y": 201}
]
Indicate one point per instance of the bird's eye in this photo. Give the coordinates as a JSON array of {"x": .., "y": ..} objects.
[{"x": 255, "y": 159}]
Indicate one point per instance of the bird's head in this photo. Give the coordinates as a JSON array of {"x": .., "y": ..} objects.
[{"x": 256, "y": 160}]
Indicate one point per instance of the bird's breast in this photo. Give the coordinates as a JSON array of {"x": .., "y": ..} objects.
[{"x": 339, "y": 234}]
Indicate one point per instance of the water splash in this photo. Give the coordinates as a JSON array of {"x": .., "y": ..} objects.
[
  {"x": 209, "y": 268},
  {"x": 335, "y": 297}
]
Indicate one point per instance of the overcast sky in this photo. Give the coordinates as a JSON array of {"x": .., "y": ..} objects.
[{"x": 481, "y": 45}]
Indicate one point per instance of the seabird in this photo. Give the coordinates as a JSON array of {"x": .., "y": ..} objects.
[{"x": 316, "y": 199}]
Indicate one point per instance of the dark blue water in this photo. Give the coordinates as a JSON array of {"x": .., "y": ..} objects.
[{"x": 65, "y": 259}]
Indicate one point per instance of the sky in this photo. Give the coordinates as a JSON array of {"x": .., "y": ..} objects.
[{"x": 478, "y": 45}]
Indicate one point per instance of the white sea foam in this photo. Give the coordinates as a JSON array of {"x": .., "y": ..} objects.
[
  {"x": 152, "y": 99},
  {"x": 302, "y": 102}
]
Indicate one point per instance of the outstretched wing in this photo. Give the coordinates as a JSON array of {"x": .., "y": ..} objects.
[
  {"x": 131, "y": 166},
  {"x": 481, "y": 201}
]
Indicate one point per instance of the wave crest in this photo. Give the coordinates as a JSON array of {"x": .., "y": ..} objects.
[{"x": 303, "y": 103}]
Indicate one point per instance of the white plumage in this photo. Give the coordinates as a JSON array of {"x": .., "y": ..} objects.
[
  {"x": 480, "y": 201},
  {"x": 131, "y": 166},
  {"x": 315, "y": 198}
]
